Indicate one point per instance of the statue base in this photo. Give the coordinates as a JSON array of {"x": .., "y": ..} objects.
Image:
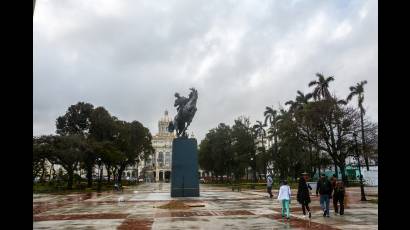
[{"x": 184, "y": 174}]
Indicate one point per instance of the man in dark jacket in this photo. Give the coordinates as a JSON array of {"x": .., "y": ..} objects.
[
  {"x": 338, "y": 197},
  {"x": 324, "y": 188},
  {"x": 303, "y": 196}
]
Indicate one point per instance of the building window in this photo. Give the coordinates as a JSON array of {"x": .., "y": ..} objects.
[
  {"x": 167, "y": 158},
  {"x": 160, "y": 159}
]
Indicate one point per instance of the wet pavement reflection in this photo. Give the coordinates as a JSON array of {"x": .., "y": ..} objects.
[{"x": 137, "y": 207}]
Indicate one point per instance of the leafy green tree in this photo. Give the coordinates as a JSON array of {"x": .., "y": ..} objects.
[
  {"x": 215, "y": 152},
  {"x": 244, "y": 145},
  {"x": 76, "y": 121},
  {"x": 41, "y": 152},
  {"x": 334, "y": 126},
  {"x": 67, "y": 152},
  {"x": 132, "y": 140}
]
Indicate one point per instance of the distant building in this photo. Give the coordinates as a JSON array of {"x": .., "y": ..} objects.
[{"x": 158, "y": 166}]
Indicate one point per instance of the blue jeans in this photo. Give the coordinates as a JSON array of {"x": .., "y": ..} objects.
[{"x": 324, "y": 203}]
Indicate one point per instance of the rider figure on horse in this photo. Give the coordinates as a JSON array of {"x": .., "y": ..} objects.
[
  {"x": 180, "y": 101},
  {"x": 186, "y": 108}
]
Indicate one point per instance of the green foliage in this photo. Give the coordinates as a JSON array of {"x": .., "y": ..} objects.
[
  {"x": 86, "y": 134},
  {"x": 307, "y": 137}
]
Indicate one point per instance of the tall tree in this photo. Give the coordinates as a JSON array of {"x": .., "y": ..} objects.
[
  {"x": 41, "y": 152},
  {"x": 76, "y": 121},
  {"x": 296, "y": 108},
  {"x": 67, "y": 152},
  {"x": 321, "y": 90},
  {"x": 358, "y": 91},
  {"x": 272, "y": 116},
  {"x": 244, "y": 144},
  {"x": 334, "y": 126},
  {"x": 262, "y": 156},
  {"x": 132, "y": 140}
]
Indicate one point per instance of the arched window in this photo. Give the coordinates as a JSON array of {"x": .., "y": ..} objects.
[{"x": 160, "y": 159}]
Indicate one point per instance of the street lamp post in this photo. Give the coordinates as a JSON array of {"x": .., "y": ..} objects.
[{"x": 363, "y": 196}]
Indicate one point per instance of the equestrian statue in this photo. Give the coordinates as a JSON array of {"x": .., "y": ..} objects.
[{"x": 186, "y": 108}]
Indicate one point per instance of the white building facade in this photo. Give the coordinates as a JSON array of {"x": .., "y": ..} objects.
[{"x": 158, "y": 167}]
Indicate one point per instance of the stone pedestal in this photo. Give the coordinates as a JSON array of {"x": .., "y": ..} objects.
[{"x": 184, "y": 175}]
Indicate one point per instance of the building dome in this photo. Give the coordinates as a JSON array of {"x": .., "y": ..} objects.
[{"x": 166, "y": 117}]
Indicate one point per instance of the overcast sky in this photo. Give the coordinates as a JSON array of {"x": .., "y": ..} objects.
[{"x": 131, "y": 56}]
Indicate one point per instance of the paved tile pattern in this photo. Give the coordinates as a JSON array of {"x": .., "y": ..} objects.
[{"x": 137, "y": 208}]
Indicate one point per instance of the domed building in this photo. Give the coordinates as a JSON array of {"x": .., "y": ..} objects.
[{"x": 158, "y": 167}]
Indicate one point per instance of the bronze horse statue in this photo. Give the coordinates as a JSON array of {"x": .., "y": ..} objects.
[{"x": 186, "y": 108}]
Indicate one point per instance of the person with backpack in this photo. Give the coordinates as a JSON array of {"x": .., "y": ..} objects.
[
  {"x": 284, "y": 198},
  {"x": 324, "y": 188},
  {"x": 269, "y": 182},
  {"x": 303, "y": 196},
  {"x": 338, "y": 197}
]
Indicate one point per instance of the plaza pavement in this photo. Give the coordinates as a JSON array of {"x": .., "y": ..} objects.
[{"x": 137, "y": 208}]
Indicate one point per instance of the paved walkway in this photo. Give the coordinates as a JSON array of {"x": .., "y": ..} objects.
[{"x": 137, "y": 208}]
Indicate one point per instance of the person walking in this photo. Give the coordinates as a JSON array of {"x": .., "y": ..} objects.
[
  {"x": 338, "y": 197},
  {"x": 333, "y": 181},
  {"x": 269, "y": 182},
  {"x": 284, "y": 198},
  {"x": 324, "y": 188},
  {"x": 303, "y": 196}
]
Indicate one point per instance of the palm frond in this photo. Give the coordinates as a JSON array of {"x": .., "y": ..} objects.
[
  {"x": 330, "y": 78},
  {"x": 308, "y": 96},
  {"x": 312, "y": 83},
  {"x": 350, "y": 96}
]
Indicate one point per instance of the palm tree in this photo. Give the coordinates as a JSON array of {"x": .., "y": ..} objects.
[
  {"x": 321, "y": 89},
  {"x": 300, "y": 101},
  {"x": 260, "y": 131},
  {"x": 271, "y": 115},
  {"x": 358, "y": 91}
]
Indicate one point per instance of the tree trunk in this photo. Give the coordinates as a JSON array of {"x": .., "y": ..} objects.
[
  {"x": 336, "y": 171},
  {"x": 70, "y": 173},
  {"x": 311, "y": 166},
  {"x": 43, "y": 171},
  {"x": 100, "y": 177},
  {"x": 366, "y": 158},
  {"x": 136, "y": 173},
  {"x": 318, "y": 162},
  {"x": 89, "y": 175},
  {"x": 120, "y": 171},
  {"x": 108, "y": 168},
  {"x": 342, "y": 171}
]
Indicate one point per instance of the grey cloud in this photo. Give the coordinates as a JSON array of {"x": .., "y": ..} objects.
[{"x": 242, "y": 56}]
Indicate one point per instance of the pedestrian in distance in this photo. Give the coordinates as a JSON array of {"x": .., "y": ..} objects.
[
  {"x": 338, "y": 197},
  {"x": 284, "y": 198},
  {"x": 269, "y": 183},
  {"x": 303, "y": 195},
  {"x": 324, "y": 188}
]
